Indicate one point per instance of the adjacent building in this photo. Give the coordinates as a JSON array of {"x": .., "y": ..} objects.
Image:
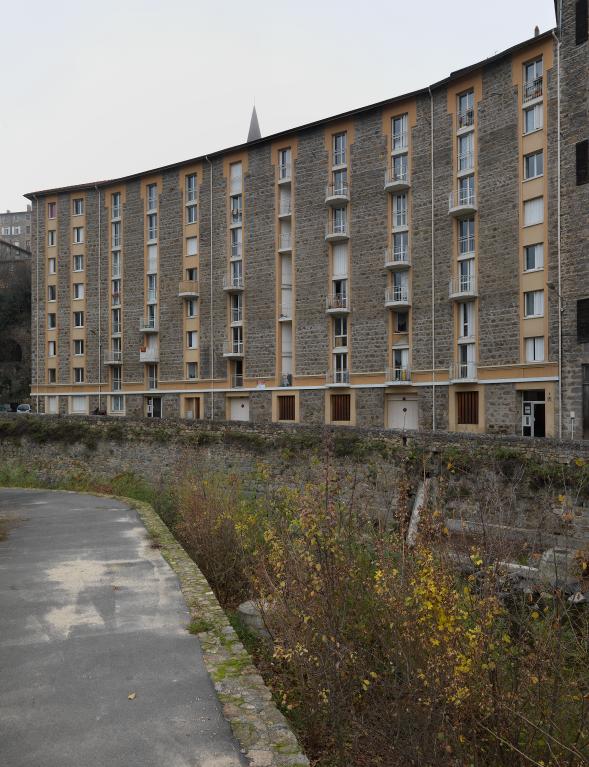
[
  {"x": 15, "y": 324},
  {"x": 417, "y": 263},
  {"x": 15, "y": 228}
]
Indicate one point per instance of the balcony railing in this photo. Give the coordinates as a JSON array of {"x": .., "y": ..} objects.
[
  {"x": 398, "y": 374},
  {"x": 237, "y": 380},
  {"x": 338, "y": 302},
  {"x": 148, "y": 325},
  {"x": 462, "y": 201},
  {"x": 463, "y": 371},
  {"x": 188, "y": 288},
  {"x": 465, "y": 161},
  {"x": 337, "y": 193},
  {"x": 149, "y": 355},
  {"x": 396, "y": 180},
  {"x": 285, "y": 242},
  {"x": 400, "y": 141},
  {"x": 337, "y": 378},
  {"x": 466, "y": 245},
  {"x": 462, "y": 285},
  {"x": 397, "y": 295},
  {"x": 466, "y": 118},
  {"x": 113, "y": 357},
  {"x": 233, "y": 282},
  {"x": 532, "y": 89},
  {"x": 396, "y": 258},
  {"x": 336, "y": 230},
  {"x": 236, "y": 315},
  {"x": 233, "y": 348}
]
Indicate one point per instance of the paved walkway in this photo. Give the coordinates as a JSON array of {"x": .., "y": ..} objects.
[{"x": 90, "y": 614}]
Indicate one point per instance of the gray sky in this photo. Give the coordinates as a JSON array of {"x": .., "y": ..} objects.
[{"x": 96, "y": 90}]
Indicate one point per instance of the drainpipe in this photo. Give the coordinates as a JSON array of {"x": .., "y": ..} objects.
[
  {"x": 433, "y": 258},
  {"x": 558, "y": 245},
  {"x": 99, "y": 301},
  {"x": 37, "y": 298},
  {"x": 212, "y": 325}
]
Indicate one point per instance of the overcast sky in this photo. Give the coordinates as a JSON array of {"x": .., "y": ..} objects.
[{"x": 96, "y": 90}]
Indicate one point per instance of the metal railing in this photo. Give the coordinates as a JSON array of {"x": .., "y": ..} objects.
[
  {"x": 466, "y": 244},
  {"x": 533, "y": 89},
  {"x": 399, "y": 141},
  {"x": 462, "y": 284},
  {"x": 338, "y": 377},
  {"x": 341, "y": 190},
  {"x": 148, "y": 325},
  {"x": 338, "y": 301},
  {"x": 392, "y": 176},
  {"x": 462, "y": 198},
  {"x": 463, "y": 371},
  {"x": 232, "y": 347},
  {"x": 113, "y": 357},
  {"x": 233, "y": 282},
  {"x": 398, "y": 374},
  {"x": 236, "y": 314},
  {"x": 394, "y": 256},
  {"x": 397, "y": 294},
  {"x": 466, "y": 161},
  {"x": 336, "y": 228}
]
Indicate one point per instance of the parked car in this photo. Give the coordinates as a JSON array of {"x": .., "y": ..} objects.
[
  {"x": 23, "y": 409},
  {"x": 5, "y": 408}
]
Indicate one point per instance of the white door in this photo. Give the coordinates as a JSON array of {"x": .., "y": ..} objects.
[
  {"x": 402, "y": 414},
  {"x": 239, "y": 409}
]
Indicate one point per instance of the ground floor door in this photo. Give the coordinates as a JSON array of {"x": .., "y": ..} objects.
[
  {"x": 534, "y": 414},
  {"x": 153, "y": 407},
  {"x": 239, "y": 409},
  {"x": 402, "y": 414}
]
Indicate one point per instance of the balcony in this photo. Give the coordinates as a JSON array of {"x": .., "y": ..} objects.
[
  {"x": 397, "y": 258},
  {"x": 149, "y": 325},
  {"x": 113, "y": 357},
  {"x": 463, "y": 372},
  {"x": 462, "y": 203},
  {"x": 398, "y": 375},
  {"x": 188, "y": 289},
  {"x": 337, "y": 194},
  {"x": 233, "y": 283},
  {"x": 336, "y": 231},
  {"x": 338, "y": 378},
  {"x": 233, "y": 349},
  {"x": 398, "y": 295},
  {"x": 395, "y": 181},
  {"x": 462, "y": 286},
  {"x": 465, "y": 118},
  {"x": 532, "y": 90},
  {"x": 237, "y": 380},
  {"x": 338, "y": 303},
  {"x": 149, "y": 355},
  {"x": 284, "y": 243}
]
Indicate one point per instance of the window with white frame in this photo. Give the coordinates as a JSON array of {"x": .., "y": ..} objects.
[
  {"x": 401, "y": 363},
  {"x": 52, "y": 320},
  {"x": 78, "y": 235},
  {"x": 51, "y": 237},
  {"x": 466, "y": 236},
  {"x": 399, "y": 210},
  {"x": 192, "y": 371},
  {"x": 401, "y": 322},
  {"x": 339, "y": 149},
  {"x": 399, "y": 133},
  {"x": 78, "y": 206},
  {"x": 533, "y": 165},
  {"x": 16, "y": 230},
  {"x": 340, "y": 332},
  {"x": 400, "y": 171},
  {"x": 534, "y": 303},
  {"x": 151, "y": 288},
  {"x": 236, "y": 237},
  {"x": 116, "y": 379},
  {"x": 52, "y": 349},
  {"x": 535, "y": 349},
  {"x": 533, "y": 118},
  {"x": 401, "y": 246},
  {"x": 466, "y": 109},
  {"x": 284, "y": 164},
  {"x": 116, "y": 264},
  {"x": 78, "y": 290},
  {"x": 115, "y": 292},
  {"x": 191, "y": 188},
  {"x": 152, "y": 226},
  {"x": 78, "y": 404},
  {"x": 78, "y": 319},
  {"x": 192, "y": 246},
  {"x": 115, "y": 204},
  {"x": 51, "y": 292},
  {"x": 338, "y": 217},
  {"x": 534, "y": 257},
  {"x": 152, "y": 197},
  {"x": 466, "y": 319},
  {"x": 51, "y": 405},
  {"x": 117, "y": 403},
  {"x": 466, "y": 190},
  {"x": 191, "y": 308},
  {"x": 192, "y": 339},
  {"x": 52, "y": 266},
  {"x": 533, "y": 71},
  {"x": 78, "y": 375},
  {"x": 192, "y": 274},
  {"x": 191, "y": 214},
  {"x": 116, "y": 321},
  {"x": 116, "y": 234},
  {"x": 534, "y": 211},
  {"x": 51, "y": 375},
  {"x": 78, "y": 263},
  {"x": 235, "y": 178},
  {"x": 5, "y": 231},
  {"x": 466, "y": 151},
  {"x": 151, "y": 258},
  {"x": 78, "y": 347},
  {"x": 51, "y": 209},
  {"x": 236, "y": 209}
]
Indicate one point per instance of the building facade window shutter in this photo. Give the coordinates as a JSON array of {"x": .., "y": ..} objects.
[
  {"x": 581, "y": 21},
  {"x": 286, "y": 408},
  {"x": 467, "y": 405},
  {"x": 340, "y": 407},
  {"x": 582, "y": 162}
]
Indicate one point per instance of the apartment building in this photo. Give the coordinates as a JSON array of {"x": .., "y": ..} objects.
[
  {"x": 418, "y": 263},
  {"x": 15, "y": 228}
]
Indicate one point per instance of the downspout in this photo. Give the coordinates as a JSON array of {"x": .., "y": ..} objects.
[
  {"x": 558, "y": 245},
  {"x": 37, "y": 299},
  {"x": 99, "y": 302},
  {"x": 433, "y": 259},
  {"x": 212, "y": 323}
]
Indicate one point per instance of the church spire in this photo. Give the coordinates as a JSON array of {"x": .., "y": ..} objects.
[{"x": 254, "y": 131}]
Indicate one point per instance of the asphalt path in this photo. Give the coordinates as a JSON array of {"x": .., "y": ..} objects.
[{"x": 97, "y": 668}]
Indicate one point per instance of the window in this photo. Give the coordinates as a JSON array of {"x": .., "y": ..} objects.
[
  {"x": 116, "y": 321},
  {"x": 52, "y": 266},
  {"x": 236, "y": 243},
  {"x": 78, "y": 347},
  {"x": 338, "y": 218},
  {"x": 16, "y": 230},
  {"x": 339, "y": 149},
  {"x": 78, "y": 263},
  {"x": 340, "y": 332},
  {"x": 534, "y": 303},
  {"x": 51, "y": 375},
  {"x": 78, "y": 235},
  {"x": 533, "y": 165},
  {"x": 581, "y": 22},
  {"x": 583, "y": 321},
  {"x": 533, "y": 118},
  {"x": 51, "y": 209},
  {"x": 340, "y": 407},
  {"x": 191, "y": 214},
  {"x": 466, "y": 236},
  {"x": 466, "y": 320},
  {"x": 116, "y": 234},
  {"x": 466, "y": 190},
  {"x": 151, "y": 196},
  {"x": 400, "y": 172},
  {"x": 115, "y": 292},
  {"x": 192, "y": 308},
  {"x": 78, "y": 319},
  {"x": 51, "y": 237},
  {"x": 399, "y": 132},
  {"x": 192, "y": 339},
  {"x": 582, "y": 162},
  {"x": 340, "y": 181},
  {"x": 402, "y": 322},
  {"x": 399, "y": 210},
  {"x": 151, "y": 288},
  {"x": 79, "y": 404},
  {"x": 152, "y": 376},
  {"x": 52, "y": 320},
  {"x": 284, "y": 162},
  {"x": 78, "y": 290},
  {"x": 236, "y": 209},
  {"x": 192, "y": 274},
  {"x": 5, "y": 231},
  {"x": 534, "y": 211},
  {"x": 533, "y": 80},
  {"x": 152, "y": 226},
  {"x": 78, "y": 375},
  {"x": 191, "y": 188},
  {"x": 152, "y": 258},
  {"x": 236, "y": 308},
  {"x": 286, "y": 407},
  {"x": 78, "y": 206},
  {"x": 117, "y": 403},
  {"x": 466, "y": 152},
  {"x": 51, "y": 405},
  {"x": 52, "y": 293},
  {"x": 466, "y": 109},
  {"x": 116, "y": 205},
  {"x": 467, "y": 407},
  {"x": 116, "y": 379},
  {"x": 534, "y": 349},
  {"x": 192, "y": 246},
  {"x": 192, "y": 371},
  {"x": 533, "y": 257},
  {"x": 401, "y": 246},
  {"x": 235, "y": 179},
  {"x": 52, "y": 349},
  {"x": 116, "y": 264}
]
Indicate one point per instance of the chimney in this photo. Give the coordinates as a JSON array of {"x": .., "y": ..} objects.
[{"x": 536, "y": 31}]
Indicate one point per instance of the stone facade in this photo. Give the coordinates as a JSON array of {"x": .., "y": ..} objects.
[
  {"x": 504, "y": 373},
  {"x": 15, "y": 228}
]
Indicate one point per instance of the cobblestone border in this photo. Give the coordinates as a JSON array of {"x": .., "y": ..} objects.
[{"x": 265, "y": 736}]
